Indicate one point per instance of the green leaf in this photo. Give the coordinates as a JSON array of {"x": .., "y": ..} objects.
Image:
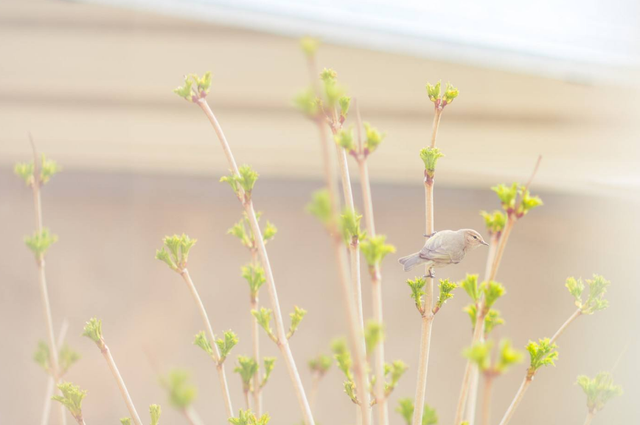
[
  {"x": 178, "y": 248},
  {"x": 202, "y": 341},
  {"x": 597, "y": 290},
  {"x": 41, "y": 355},
  {"x": 269, "y": 232},
  {"x": 320, "y": 206},
  {"x": 575, "y": 287},
  {"x": 395, "y": 370},
  {"x": 67, "y": 357},
  {"x": 417, "y": 290},
  {"x": 480, "y": 354},
  {"x": 39, "y": 243},
  {"x": 25, "y": 171},
  {"x": 429, "y": 415},
  {"x": 433, "y": 91},
  {"x": 445, "y": 294},
  {"x": 450, "y": 93},
  {"x": 491, "y": 320},
  {"x": 373, "y": 335},
  {"x": 247, "y": 417},
  {"x": 495, "y": 221},
  {"x": 307, "y": 103},
  {"x": 599, "y": 390},
  {"x": 350, "y": 225},
  {"x": 507, "y": 195},
  {"x": 430, "y": 158},
  {"x": 344, "y": 102},
  {"x": 263, "y": 317},
  {"x": 155, "y": 411},
  {"x": 185, "y": 91},
  {"x": 296, "y": 317},
  {"x": 269, "y": 364},
  {"x": 373, "y": 138},
  {"x": 248, "y": 178},
  {"x": 226, "y": 343},
  {"x": 239, "y": 231},
  {"x": 181, "y": 392},
  {"x": 350, "y": 390},
  {"x": 492, "y": 291},
  {"x": 254, "y": 275},
  {"x": 194, "y": 87},
  {"x": 93, "y": 331},
  {"x": 48, "y": 169},
  {"x": 125, "y": 421},
  {"x": 405, "y": 408},
  {"x": 527, "y": 202},
  {"x": 508, "y": 356},
  {"x": 320, "y": 364},
  {"x": 542, "y": 353},
  {"x": 470, "y": 286},
  {"x": 246, "y": 367},
  {"x": 332, "y": 91},
  {"x": 375, "y": 249},
  {"x": 71, "y": 398},
  {"x": 343, "y": 357},
  {"x": 344, "y": 139}
]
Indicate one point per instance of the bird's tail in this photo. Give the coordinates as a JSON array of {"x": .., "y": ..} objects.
[{"x": 410, "y": 261}]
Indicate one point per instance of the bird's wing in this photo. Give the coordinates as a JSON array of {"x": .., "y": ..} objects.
[{"x": 436, "y": 249}]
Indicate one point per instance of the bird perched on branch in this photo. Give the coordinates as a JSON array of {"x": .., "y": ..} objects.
[{"x": 443, "y": 248}]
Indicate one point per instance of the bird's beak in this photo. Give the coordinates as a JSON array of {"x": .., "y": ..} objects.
[{"x": 484, "y": 243}]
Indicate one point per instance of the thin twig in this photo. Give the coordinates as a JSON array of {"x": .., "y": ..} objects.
[
  {"x": 486, "y": 399},
  {"x": 516, "y": 401},
  {"x": 589, "y": 418},
  {"x": 271, "y": 286},
  {"x": 44, "y": 293},
  {"x": 222, "y": 377},
  {"x": 123, "y": 388},
  {"x": 46, "y": 409},
  {"x": 559, "y": 332}
]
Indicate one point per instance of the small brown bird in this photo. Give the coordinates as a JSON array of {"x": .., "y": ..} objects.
[{"x": 444, "y": 248}]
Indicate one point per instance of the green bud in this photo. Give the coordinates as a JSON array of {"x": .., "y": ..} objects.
[
  {"x": 263, "y": 317},
  {"x": 246, "y": 179},
  {"x": 269, "y": 364},
  {"x": 417, "y": 291},
  {"x": 433, "y": 91},
  {"x": 507, "y": 196},
  {"x": 597, "y": 290},
  {"x": 350, "y": 390},
  {"x": 269, "y": 232},
  {"x": 328, "y": 75},
  {"x": 125, "y": 421},
  {"x": 375, "y": 249},
  {"x": 344, "y": 139},
  {"x": 480, "y": 354},
  {"x": 450, "y": 93},
  {"x": 491, "y": 320},
  {"x": 155, "y": 411},
  {"x": 254, "y": 275},
  {"x": 48, "y": 168},
  {"x": 527, "y": 202},
  {"x": 492, "y": 291},
  {"x": 495, "y": 221},
  {"x": 71, "y": 398},
  {"x": 39, "y": 243},
  {"x": 542, "y": 353},
  {"x": 226, "y": 343},
  {"x": 373, "y": 138},
  {"x": 239, "y": 231},
  {"x": 373, "y": 335},
  {"x": 405, "y": 408},
  {"x": 446, "y": 288},
  {"x": 395, "y": 371},
  {"x": 247, "y": 417},
  {"x": 246, "y": 368},
  {"x": 599, "y": 390},
  {"x": 203, "y": 342},
  {"x": 350, "y": 225},
  {"x": 194, "y": 87},
  {"x": 430, "y": 158},
  {"x": 181, "y": 392},
  {"x": 296, "y": 317},
  {"x": 93, "y": 331},
  {"x": 508, "y": 356},
  {"x": 309, "y": 45},
  {"x": 178, "y": 251},
  {"x": 25, "y": 171},
  {"x": 470, "y": 286},
  {"x": 41, "y": 355},
  {"x": 67, "y": 357},
  {"x": 307, "y": 103},
  {"x": 344, "y": 102},
  {"x": 343, "y": 357},
  {"x": 320, "y": 364},
  {"x": 575, "y": 288},
  {"x": 320, "y": 206}
]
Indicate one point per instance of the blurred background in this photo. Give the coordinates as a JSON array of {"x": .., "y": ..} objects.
[{"x": 92, "y": 81}]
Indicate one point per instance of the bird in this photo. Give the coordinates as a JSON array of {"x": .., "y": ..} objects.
[{"x": 443, "y": 248}]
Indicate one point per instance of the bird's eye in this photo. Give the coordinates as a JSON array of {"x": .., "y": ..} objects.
[{"x": 475, "y": 237}]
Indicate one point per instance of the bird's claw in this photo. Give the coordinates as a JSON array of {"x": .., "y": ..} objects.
[
  {"x": 430, "y": 275},
  {"x": 428, "y": 236}
]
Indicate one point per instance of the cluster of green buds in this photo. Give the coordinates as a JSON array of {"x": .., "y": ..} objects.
[
  {"x": 494, "y": 222},
  {"x": 154, "y": 412},
  {"x": 309, "y": 46},
  {"x": 599, "y": 390},
  {"x": 542, "y": 353},
  {"x": 254, "y": 275},
  {"x": 320, "y": 207},
  {"x": 176, "y": 253},
  {"x": 181, "y": 391},
  {"x": 440, "y": 100},
  {"x": 516, "y": 199},
  {"x": 490, "y": 292},
  {"x": 242, "y": 230},
  {"x": 242, "y": 183},
  {"x": 296, "y": 317},
  {"x": 405, "y": 408},
  {"x": 417, "y": 292},
  {"x": 224, "y": 344},
  {"x": 67, "y": 357},
  {"x": 373, "y": 335},
  {"x": 40, "y": 242},
  {"x": 374, "y": 249},
  {"x": 194, "y": 88},
  {"x": 247, "y": 417},
  {"x": 93, "y": 331},
  {"x": 263, "y": 317},
  {"x": 430, "y": 158},
  {"x": 27, "y": 170},
  {"x": 393, "y": 372},
  {"x": 71, "y": 398},
  {"x": 334, "y": 95},
  {"x": 350, "y": 226},
  {"x": 595, "y": 299},
  {"x": 320, "y": 365},
  {"x": 481, "y": 354},
  {"x": 345, "y": 139},
  {"x": 247, "y": 368},
  {"x": 343, "y": 359}
]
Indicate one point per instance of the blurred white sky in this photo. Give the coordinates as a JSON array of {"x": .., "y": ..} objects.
[{"x": 568, "y": 39}]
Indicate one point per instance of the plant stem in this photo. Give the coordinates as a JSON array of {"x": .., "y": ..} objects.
[
  {"x": 191, "y": 416},
  {"x": 504, "y": 238},
  {"x": 559, "y": 332},
  {"x": 44, "y": 293},
  {"x": 466, "y": 380},
  {"x": 589, "y": 418},
  {"x": 427, "y": 316},
  {"x": 486, "y": 399},
  {"x": 255, "y": 335},
  {"x": 247, "y": 403},
  {"x": 50, "y": 382},
  {"x": 283, "y": 343},
  {"x": 123, "y": 388},
  {"x": 205, "y": 319},
  {"x": 516, "y": 400}
]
